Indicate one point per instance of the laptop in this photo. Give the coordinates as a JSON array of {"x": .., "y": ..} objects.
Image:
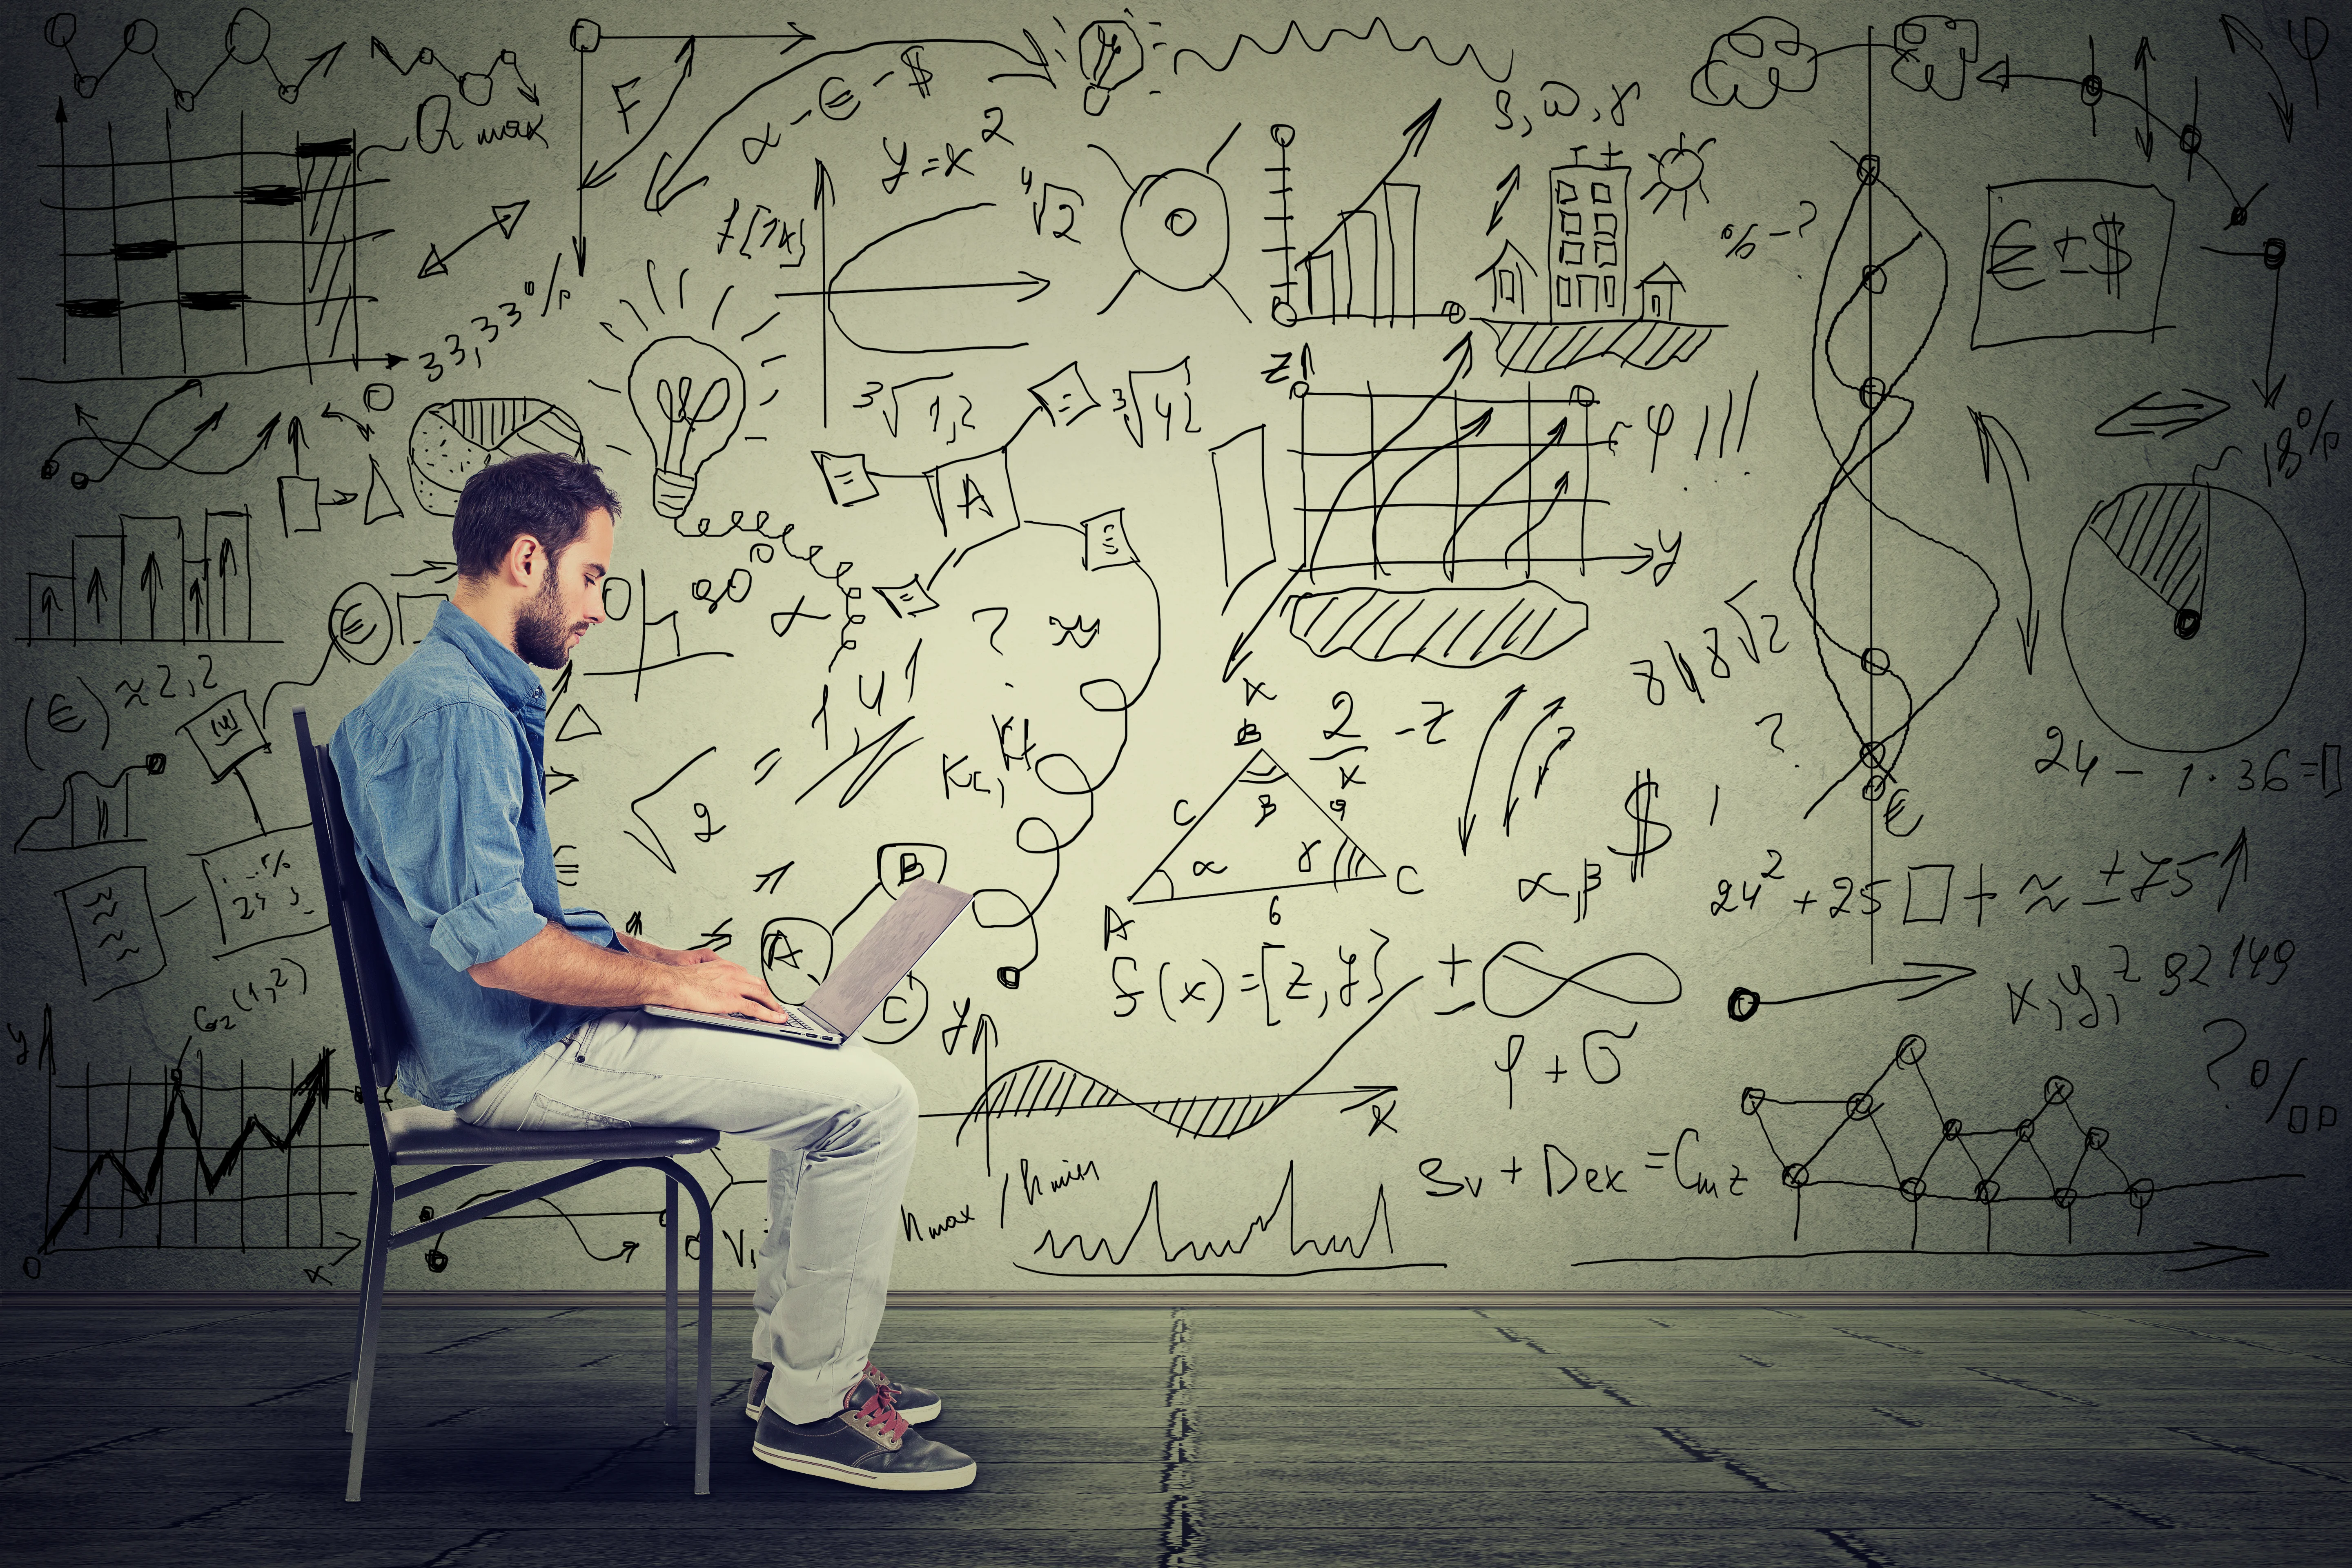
[{"x": 868, "y": 972}]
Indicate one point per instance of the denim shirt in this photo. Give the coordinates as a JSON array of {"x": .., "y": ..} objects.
[{"x": 442, "y": 779}]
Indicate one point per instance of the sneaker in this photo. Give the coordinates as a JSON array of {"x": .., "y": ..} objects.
[
  {"x": 916, "y": 1405},
  {"x": 867, "y": 1443}
]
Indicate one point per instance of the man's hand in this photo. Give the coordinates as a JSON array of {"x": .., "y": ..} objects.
[{"x": 709, "y": 984}]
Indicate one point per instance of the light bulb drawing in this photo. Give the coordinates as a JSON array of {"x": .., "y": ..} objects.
[
  {"x": 1108, "y": 54},
  {"x": 688, "y": 398}
]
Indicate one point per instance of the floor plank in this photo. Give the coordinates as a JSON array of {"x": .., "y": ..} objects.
[{"x": 1185, "y": 1438}]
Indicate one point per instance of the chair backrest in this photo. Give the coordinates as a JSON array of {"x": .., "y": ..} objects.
[{"x": 371, "y": 994}]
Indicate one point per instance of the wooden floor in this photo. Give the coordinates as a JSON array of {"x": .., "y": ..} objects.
[{"x": 518, "y": 1437}]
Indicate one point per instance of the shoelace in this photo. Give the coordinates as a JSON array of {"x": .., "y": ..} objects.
[{"x": 881, "y": 1415}]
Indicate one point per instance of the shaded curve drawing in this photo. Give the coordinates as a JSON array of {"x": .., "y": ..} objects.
[{"x": 1049, "y": 1088}]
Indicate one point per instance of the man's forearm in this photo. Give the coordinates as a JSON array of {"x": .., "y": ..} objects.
[
  {"x": 644, "y": 949},
  {"x": 555, "y": 965}
]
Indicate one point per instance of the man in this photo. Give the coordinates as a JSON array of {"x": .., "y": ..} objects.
[{"x": 524, "y": 1013}]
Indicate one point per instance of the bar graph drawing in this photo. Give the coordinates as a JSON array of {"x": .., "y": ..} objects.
[{"x": 153, "y": 580}]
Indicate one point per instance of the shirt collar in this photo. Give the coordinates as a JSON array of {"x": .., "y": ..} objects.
[{"x": 498, "y": 664}]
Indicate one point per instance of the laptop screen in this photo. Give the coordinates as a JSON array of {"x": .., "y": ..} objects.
[{"x": 872, "y": 969}]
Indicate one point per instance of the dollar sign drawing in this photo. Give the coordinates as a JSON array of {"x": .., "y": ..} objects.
[
  {"x": 1638, "y": 808},
  {"x": 912, "y": 59},
  {"x": 2113, "y": 259}
]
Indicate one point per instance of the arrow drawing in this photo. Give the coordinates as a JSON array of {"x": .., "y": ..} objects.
[
  {"x": 503, "y": 217},
  {"x": 1936, "y": 977},
  {"x": 594, "y": 175},
  {"x": 1466, "y": 823},
  {"x": 2029, "y": 624},
  {"x": 2157, "y": 415},
  {"x": 1505, "y": 187},
  {"x": 2211, "y": 1253},
  {"x": 323, "y": 63},
  {"x": 139, "y": 454},
  {"x": 2237, "y": 31},
  {"x": 1028, "y": 280},
  {"x": 2146, "y": 134},
  {"x": 1416, "y": 136}
]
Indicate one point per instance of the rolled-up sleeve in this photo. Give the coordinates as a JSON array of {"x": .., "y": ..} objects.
[
  {"x": 590, "y": 925},
  {"x": 451, "y": 829}
]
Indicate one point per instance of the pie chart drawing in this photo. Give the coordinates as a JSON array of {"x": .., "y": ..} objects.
[
  {"x": 2184, "y": 616},
  {"x": 451, "y": 441}
]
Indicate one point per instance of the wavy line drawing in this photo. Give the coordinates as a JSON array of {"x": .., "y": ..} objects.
[
  {"x": 1378, "y": 24},
  {"x": 1048, "y": 1088},
  {"x": 1882, "y": 296}
]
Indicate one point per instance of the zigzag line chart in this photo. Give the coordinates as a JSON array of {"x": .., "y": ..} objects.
[
  {"x": 1375, "y": 1237},
  {"x": 280, "y": 1204}
]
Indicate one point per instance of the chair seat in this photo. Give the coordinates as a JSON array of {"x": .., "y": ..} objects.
[{"x": 420, "y": 1135}]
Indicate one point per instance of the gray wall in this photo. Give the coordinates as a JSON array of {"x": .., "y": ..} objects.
[{"x": 1487, "y": 761}]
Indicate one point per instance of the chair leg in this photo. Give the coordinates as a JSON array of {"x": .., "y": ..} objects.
[
  {"x": 702, "y": 1363},
  {"x": 669, "y": 1300},
  {"x": 369, "y": 1258},
  {"x": 678, "y": 1178},
  {"x": 363, "y": 1372}
]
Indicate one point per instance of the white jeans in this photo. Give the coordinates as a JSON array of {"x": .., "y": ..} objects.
[{"x": 840, "y": 1130}]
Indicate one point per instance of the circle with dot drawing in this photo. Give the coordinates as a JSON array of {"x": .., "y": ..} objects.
[
  {"x": 1176, "y": 228},
  {"x": 2183, "y": 616}
]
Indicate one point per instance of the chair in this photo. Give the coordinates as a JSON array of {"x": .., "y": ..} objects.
[{"x": 417, "y": 1135}]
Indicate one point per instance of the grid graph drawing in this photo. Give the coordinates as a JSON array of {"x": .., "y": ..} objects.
[
  {"x": 1448, "y": 488},
  {"x": 172, "y": 1161},
  {"x": 1436, "y": 527},
  {"x": 224, "y": 260}
]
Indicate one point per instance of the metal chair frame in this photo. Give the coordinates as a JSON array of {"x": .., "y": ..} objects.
[{"x": 417, "y": 1136}]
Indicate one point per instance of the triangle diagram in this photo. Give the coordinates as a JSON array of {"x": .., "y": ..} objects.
[
  {"x": 1262, "y": 834},
  {"x": 434, "y": 265},
  {"x": 504, "y": 213},
  {"x": 578, "y": 724},
  {"x": 383, "y": 506}
]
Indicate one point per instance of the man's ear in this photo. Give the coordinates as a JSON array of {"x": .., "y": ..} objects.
[{"x": 526, "y": 560}]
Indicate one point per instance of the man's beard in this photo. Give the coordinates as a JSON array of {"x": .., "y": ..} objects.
[{"x": 541, "y": 632}]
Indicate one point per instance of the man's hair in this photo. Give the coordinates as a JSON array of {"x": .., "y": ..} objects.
[{"x": 543, "y": 494}]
